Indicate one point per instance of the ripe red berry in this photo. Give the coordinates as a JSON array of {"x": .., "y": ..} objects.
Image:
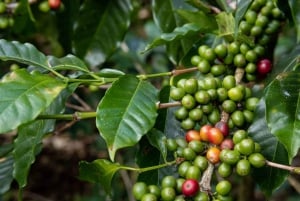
[
  {"x": 190, "y": 187},
  {"x": 264, "y": 66},
  {"x": 54, "y": 4},
  {"x": 227, "y": 144},
  {"x": 192, "y": 135},
  {"x": 224, "y": 128}
]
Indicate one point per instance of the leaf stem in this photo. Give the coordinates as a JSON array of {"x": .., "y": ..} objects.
[
  {"x": 292, "y": 169},
  {"x": 74, "y": 117},
  {"x": 140, "y": 170},
  {"x": 147, "y": 76},
  {"x": 182, "y": 71},
  {"x": 167, "y": 105},
  {"x": 99, "y": 80},
  {"x": 20, "y": 194},
  {"x": 174, "y": 72}
]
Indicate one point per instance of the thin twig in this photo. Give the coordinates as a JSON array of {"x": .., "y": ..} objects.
[
  {"x": 34, "y": 196},
  {"x": 167, "y": 105},
  {"x": 239, "y": 73},
  {"x": 294, "y": 182},
  {"x": 215, "y": 9},
  {"x": 126, "y": 179},
  {"x": 224, "y": 116},
  {"x": 206, "y": 178},
  {"x": 82, "y": 102},
  {"x": 64, "y": 127},
  {"x": 182, "y": 71},
  {"x": 292, "y": 169},
  {"x": 76, "y": 107}
]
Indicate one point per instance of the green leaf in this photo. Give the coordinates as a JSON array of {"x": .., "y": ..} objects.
[
  {"x": 65, "y": 23},
  {"x": 100, "y": 27},
  {"x": 110, "y": 73},
  {"x": 99, "y": 171},
  {"x": 200, "y": 5},
  {"x": 225, "y": 5},
  {"x": 6, "y": 177},
  {"x": 5, "y": 149},
  {"x": 242, "y": 7},
  {"x": 164, "y": 15},
  {"x": 179, "y": 33},
  {"x": 268, "y": 178},
  {"x": 226, "y": 24},
  {"x": 158, "y": 139},
  {"x": 295, "y": 11},
  {"x": 69, "y": 62},
  {"x": 24, "y": 97},
  {"x": 27, "y": 145},
  {"x": 23, "y": 53},
  {"x": 167, "y": 20},
  {"x": 126, "y": 112},
  {"x": 283, "y": 110},
  {"x": 24, "y": 22},
  {"x": 287, "y": 62},
  {"x": 205, "y": 21},
  {"x": 29, "y": 140},
  {"x": 147, "y": 156}
]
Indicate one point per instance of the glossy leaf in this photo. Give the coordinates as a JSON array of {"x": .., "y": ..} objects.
[
  {"x": 100, "y": 27},
  {"x": 225, "y": 23},
  {"x": 286, "y": 62},
  {"x": 99, "y": 171},
  {"x": 295, "y": 11},
  {"x": 110, "y": 73},
  {"x": 167, "y": 20},
  {"x": 23, "y": 53},
  {"x": 268, "y": 178},
  {"x": 283, "y": 110},
  {"x": 158, "y": 139},
  {"x": 27, "y": 145},
  {"x": 24, "y": 97},
  {"x": 29, "y": 140},
  {"x": 147, "y": 155},
  {"x": 24, "y": 22},
  {"x": 69, "y": 62},
  {"x": 65, "y": 23},
  {"x": 200, "y": 5},
  {"x": 126, "y": 113},
  {"x": 177, "y": 34},
  {"x": 164, "y": 15},
  {"x": 5, "y": 149},
  {"x": 6, "y": 177},
  {"x": 224, "y": 5},
  {"x": 242, "y": 7},
  {"x": 206, "y": 21}
]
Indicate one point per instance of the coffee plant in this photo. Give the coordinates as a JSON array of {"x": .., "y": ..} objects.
[{"x": 222, "y": 110}]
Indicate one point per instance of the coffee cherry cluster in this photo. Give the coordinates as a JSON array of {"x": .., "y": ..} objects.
[
  {"x": 244, "y": 154},
  {"x": 6, "y": 17},
  {"x": 216, "y": 109},
  {"x": 261, "y": 21},
  {"x": 204, "y": 100},
  {"x": 227, "y": 152},
  {"x": 46, "y": 6},
  {"x": 260, "y": 25}
]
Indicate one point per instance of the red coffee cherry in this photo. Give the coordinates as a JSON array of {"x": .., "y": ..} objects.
[
  {"x": 264, "y": 66},
  {"x": 54, "y": 4},
  {"x": 190, "y": 187}
]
